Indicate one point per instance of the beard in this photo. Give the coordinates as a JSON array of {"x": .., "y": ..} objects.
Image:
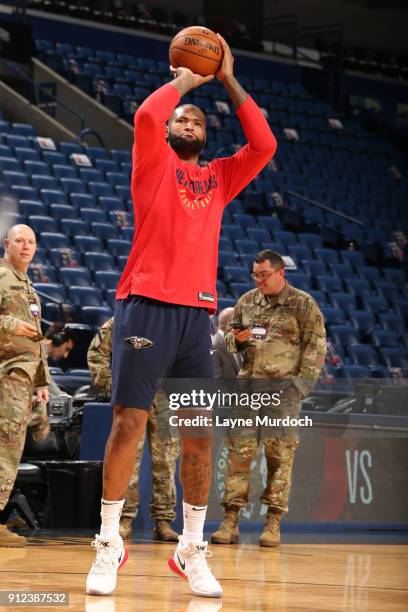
[{"x": 183, "y": 146}]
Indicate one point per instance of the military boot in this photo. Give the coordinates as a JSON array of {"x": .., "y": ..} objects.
[
  {"x": 271, "y": 533},
  {"x": 125, "y": 528},
  {"x": 228, "y": 531},
  {"x": 8, "y": 538},
  {"x": 164, "y": 532}
]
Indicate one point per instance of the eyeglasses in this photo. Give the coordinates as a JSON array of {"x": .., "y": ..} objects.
[{"x": 262, "y": 276}]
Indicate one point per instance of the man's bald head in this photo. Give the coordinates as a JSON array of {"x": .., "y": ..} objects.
[
  {"x": 186, "y": 109},
  {"x": 20, "y": 246},
  {"x": 225, "y": 317}
]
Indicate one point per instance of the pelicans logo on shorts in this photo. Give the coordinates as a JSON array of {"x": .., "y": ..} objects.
[{"x": 137, "y": 342}]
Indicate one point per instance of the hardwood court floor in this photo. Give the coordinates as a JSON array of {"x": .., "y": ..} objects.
[{"x": 295, "y": 577}]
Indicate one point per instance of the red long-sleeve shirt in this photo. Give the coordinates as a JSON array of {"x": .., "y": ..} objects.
[{"x": 178, "y": 206}]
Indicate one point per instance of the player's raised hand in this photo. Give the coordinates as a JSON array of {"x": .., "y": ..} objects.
[
  {"x": 188, "y": 79},
  {"x": 227, "y": 65}
]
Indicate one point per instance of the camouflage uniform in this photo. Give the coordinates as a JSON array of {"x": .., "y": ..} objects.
[
  {"x": 163, "y": 449},
  {"x": 292, "y": 352},
  {"x": 23, "y": 368}
]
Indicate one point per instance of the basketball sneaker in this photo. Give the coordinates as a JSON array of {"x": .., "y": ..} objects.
[
  {"x": 110, "y": 556},
  {"x": 190, "y": 562}
]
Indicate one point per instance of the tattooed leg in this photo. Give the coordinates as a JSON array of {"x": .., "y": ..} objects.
[{"x": 195, "y": 469}]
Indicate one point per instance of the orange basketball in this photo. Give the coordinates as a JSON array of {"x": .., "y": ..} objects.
[{"x": 198, "y": 49}]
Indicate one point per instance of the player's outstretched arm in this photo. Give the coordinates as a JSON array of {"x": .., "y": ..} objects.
[
  {"x": 225, "y": 74},
  {"x": 185, "y": 79}
]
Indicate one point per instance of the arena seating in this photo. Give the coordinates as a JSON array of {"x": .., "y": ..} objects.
[{"x": 84, "y": 217}]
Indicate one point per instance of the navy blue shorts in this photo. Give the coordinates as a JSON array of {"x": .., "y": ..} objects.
[{"x": 181, "y": 348}]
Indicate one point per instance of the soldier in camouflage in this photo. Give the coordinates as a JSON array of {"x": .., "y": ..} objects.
[
  {"x": 279, "y": 331},
  {"x": 23, "y": 362},
  {"x": 164, "y": 449}
]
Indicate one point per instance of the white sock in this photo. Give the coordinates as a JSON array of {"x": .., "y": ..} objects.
[
  {"x": 194, "y": 517},
  {"x": 110, "y": 513}
]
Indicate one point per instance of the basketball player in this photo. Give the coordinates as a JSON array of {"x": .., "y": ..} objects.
[{"x": 164, "y": 298}]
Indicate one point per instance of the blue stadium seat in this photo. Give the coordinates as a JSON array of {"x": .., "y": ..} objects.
[
  {"x": 42, "y": 224},
  {"x": 311, "y": 241},
  {"x": 91, "y": 174},
  {"x": 95, "y": 316},
  {"x": 369, "y": 273},
  {"x": 99, "y": 261},
  {"x": 16, "y": 178},
  {"x": 375, "y": 303},
  {"x": 393, "y": 322},
  {"x": 387, "y": 290},
  {"x": 354, "y": 258},
  {"x": 344, "y": 301},
  {"x": 117, "y": 178},
  {"x": 272, "y": 224},
  {"x": 110, "y": 295},
  {"x": 318, "y": 296},
  {"x": 24, "y": 192},
  {"x": 104, "y": 231},
  {"x": 233, "y": 232},
  {"x": 106, "y": 165},
  {"x": 88, "y": 243},
  {"x": 299, "y": 253},
  {"x": 313, "y": 268},
  {"x": 384, "y": 338},
  {"x": 97, "y": 153},
  {"x": 354, "y": 372},
  {"x": 52, "y": 290},
  {"x": 22, "y": 153},
  {"x": 226, "y": 258},
  {"x": 247, "y": 246},
  {"x": 53, "y": 157},
  {"x": 328, "y": 256},
  {"x": 40, "y": 272},
  {"x": 64, "y": 171},
  {"x": 83, "y": 200},
  {"x": 85, "y": 296},
  {"x": 118, "y": 246},
  {"x": 10, "y": 164},
  {"x": 80, "y": 277},
  {"x": 244, "y": 221},
  {"x": 258, "y": 234},
  {"x": 225, "y": 303},
  {"x": 53, "y": 240},
  {"x": 53, "y": 196},
  {"x": 70, "y": 185},
  {"x": 357, "y": 286},
  {"x": 394, "y": 357},
  {"x": 60, "y": 257},
  {"x": 400, "y": 305},
  {"x": 363, "y": 354},
  {"x": 329, "y": 284},
  {"x": 344, "y": 335},
  {"x": 43, "y": 182},
  {"x": 396, "y": 276},
  {"x": 67, "y": 148},
  {"x": 106, "y": 279},
  {"x": 285, "y": 238},
  {"x": 36, "y": 167},
  {"x": 127, "y": 233},
  {"x": 98, "y": 188},
  {"x": 298, "y": 280},
  {"x": 92, "y": 215},
  {"x": 63, "y": 211},
  {"x": 120, "y": 218},
  {"x": 333, "y": 316},
  {"x": 31, "y": 207},
  {"x": 342, "y": 270},
  {"x": 363, "y": 321},
  {"x": 236, "y": 274},
  {"x": 121, "y": 155},
  {"x": 74, "y": 227},
  {"x": 109, "y": 204}
]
